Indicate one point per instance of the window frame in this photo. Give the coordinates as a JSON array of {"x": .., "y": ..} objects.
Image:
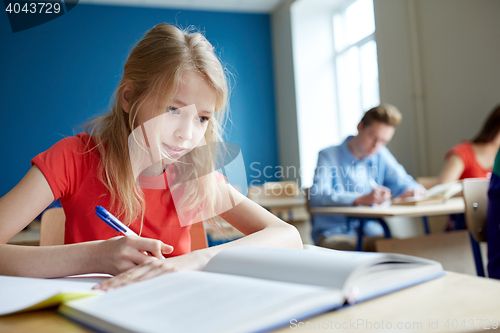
[{"x": 340, "y": 10}]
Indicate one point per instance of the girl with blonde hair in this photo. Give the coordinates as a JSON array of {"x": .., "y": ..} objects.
[{"x": 139, "y": 161}]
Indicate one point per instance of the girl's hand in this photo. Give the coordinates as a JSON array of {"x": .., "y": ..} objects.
[
  {"x": 120, "y": 254},
  {"x": 152, "y": 267}
]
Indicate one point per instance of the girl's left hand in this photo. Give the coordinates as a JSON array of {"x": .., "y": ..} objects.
[{"x": 153, "y": 267}]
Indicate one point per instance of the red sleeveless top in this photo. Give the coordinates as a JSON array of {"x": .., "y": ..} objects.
[
  {"x": 472, "y": 169},
  {"x": 72, "y": 173}
]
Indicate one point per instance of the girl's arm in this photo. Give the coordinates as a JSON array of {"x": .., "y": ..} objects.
[
  {"x": 452, "y": 170},
  {"x": 261, "y": 227},
  {"x": 25, "y": 202}
]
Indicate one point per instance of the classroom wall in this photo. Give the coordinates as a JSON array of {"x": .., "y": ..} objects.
[
  {"x": 317, "y": 111},
  {"x": 438, "y": 62},
  {"x": 58, "y": 75},
  {"x": 285, "y": 77}
]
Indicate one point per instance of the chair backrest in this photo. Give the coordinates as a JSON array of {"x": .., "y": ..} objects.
[
  {"x": 476, "y": 206},
  {"x": 52, "y": 227},
  {"x": 198, "y": 236},
  {"x": 52, "y": 230}
]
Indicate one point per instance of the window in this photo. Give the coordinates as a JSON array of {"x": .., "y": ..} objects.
[{"x": 355, "y": 61}]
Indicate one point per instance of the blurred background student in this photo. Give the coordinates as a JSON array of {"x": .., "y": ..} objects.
[
  {"x": 472, "y": 159},
  {"x": 475, "y": 158}
]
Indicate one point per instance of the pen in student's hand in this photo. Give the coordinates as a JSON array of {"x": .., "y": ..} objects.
[
  {"x": 114, "y": 223},
  {"x": 373, "y": 183}
]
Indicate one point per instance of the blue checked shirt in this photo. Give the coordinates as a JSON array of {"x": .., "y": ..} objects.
[{"x": 340, "y": 178}]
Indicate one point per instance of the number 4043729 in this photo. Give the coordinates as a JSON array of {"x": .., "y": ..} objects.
[
  {"x": 33, "y": 8},
  {"x": 472, "y": 323}
]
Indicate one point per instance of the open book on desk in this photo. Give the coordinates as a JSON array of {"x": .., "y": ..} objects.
[
  {"x": 437, "y": 194},
  {"x": 249, "y": 289}
]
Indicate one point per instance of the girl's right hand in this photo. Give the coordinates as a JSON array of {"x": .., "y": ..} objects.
[{"x": 122, "y": 253}]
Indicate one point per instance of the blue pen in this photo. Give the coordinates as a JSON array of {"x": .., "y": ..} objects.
[
  {"x": 112, "y": 221},
  {"x": 107, "y": 221}
]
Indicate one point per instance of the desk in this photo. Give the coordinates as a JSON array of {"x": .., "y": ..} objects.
[
  {"x": 453, "y": 298},
  {"x": 452, "y": 206},
  {"x": 426, "y": 307}
]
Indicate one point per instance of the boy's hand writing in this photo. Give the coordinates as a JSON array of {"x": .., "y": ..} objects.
[{"x": 377, "y": 196}]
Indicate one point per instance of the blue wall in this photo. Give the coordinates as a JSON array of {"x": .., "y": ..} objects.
[{"x": 60, "y": 74}]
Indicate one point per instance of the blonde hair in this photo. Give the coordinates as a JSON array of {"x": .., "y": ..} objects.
[
  {"x": 155, "y": 68},
  {"x": 384, "y": 113}
]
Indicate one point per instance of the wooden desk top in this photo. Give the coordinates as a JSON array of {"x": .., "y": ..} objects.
[
  {"x": 440, "y": 305},
  {"x": 452, "y": 206},
  {"x": 43, "y": 321}
]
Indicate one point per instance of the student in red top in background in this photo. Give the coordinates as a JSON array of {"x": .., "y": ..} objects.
[
  {"x": 474, "y": 159},
  {"x": 173, "y": 75}
]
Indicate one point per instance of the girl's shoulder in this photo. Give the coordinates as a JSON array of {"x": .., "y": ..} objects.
[
  {"x": 67, "y": 163},
  {"x": 73, "y": 150},
  {"x": 466, "y": 145},
  {"x": 81, "y": 144},
  {"x": 463, "y": 150}
]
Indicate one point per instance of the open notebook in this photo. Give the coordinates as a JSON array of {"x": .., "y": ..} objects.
[
  {"x": 437, "y": 194},
  {"x": 248, "y": 289},
  {"x": 25, "y": 294}
]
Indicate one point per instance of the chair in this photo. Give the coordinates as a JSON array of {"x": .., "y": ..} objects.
[
  {"x": 198, "y": 236},
  {"x": 52, "y": 230},
  {"x": 362, "y": 221},
  {"x": 476, "y": 209}
]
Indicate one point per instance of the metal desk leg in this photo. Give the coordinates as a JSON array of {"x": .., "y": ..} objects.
[
  {"x": 425, "y": 223},
  {"x": 359, "y": 245},
  {"x": 387, "y": 232},
  {"x": 477, "y": 256},
  {"x": 381, "y": 221}
]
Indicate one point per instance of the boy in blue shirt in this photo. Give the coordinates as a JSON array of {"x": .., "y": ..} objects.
[{"x": 361, "y": 171}]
